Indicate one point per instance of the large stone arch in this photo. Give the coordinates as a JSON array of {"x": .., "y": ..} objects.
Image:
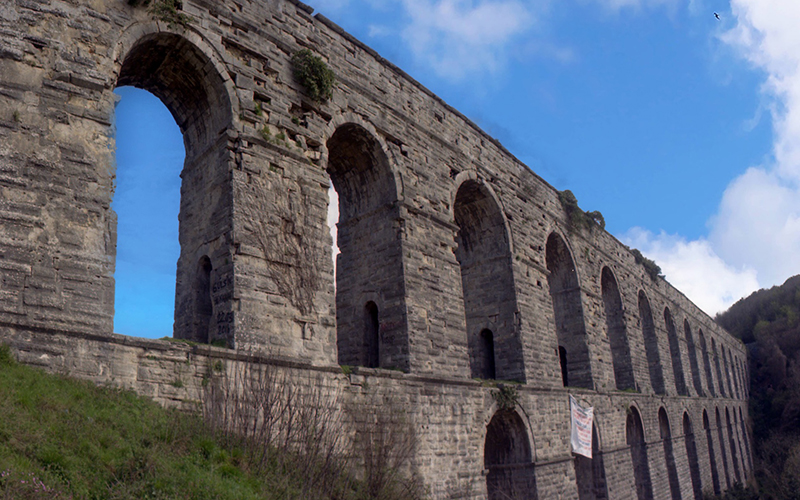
[
  {"x": 370, "y": 261},
  {"x": 691, "y": 455},
  {"x": 694, "y": 365},
  {"x": 635, "y": 439},
  {"x": 187, "y": 75},
  {"x": 339, "y": 120},
  {"x": 706, "y": 363},
  {"x": 565, "y": 294},
  {"x": 651, "y": 344},
  {"x": 723, "y": 453},
  {"x": 617, "y": 331},
  {"x": 590, "y": 473},
  {"x": 669, "y": 454},
  {"x": 746, "y": 440},
  {"x": 732, "y": 440},
  {"x": 675, "y": 354},
  {"x": 508, "y": 458},
  {"x": 483, "y": 251},
  {"x": 718, "y": 367},
  {"x": 712, "y": 456},
  {"x": 726, "y": 356}
]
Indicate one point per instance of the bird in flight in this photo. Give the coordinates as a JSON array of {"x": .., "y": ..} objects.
[{"x": 716, "y": 15}]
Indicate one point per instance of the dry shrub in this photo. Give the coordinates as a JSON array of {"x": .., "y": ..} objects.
[
  {"x": 385, "y": 443},
  {"x": 279, "y": 420},
  {"x": 282, "y": 419}
]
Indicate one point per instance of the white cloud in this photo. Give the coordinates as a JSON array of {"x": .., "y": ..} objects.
[
  {"x": 754, "y": 238},
  {"x": 758, "y": 224},
  {"x": 758, "y": 221},
  {"x": 458, "y": 37},
  {"x": 768, "y": 37},
  {"x": 695, "y": 269},
  {"x": 639, "y": 4}
]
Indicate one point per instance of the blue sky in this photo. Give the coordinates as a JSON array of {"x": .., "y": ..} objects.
[{"x": 682, "y": 129}]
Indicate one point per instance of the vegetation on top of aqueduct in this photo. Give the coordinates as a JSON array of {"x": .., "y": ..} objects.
[
  {"x": 578, "y": 219},
  {"x": 66, "y": 439}
]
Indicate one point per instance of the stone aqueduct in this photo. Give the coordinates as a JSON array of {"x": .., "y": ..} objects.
[{"x": 458, "y": 265}]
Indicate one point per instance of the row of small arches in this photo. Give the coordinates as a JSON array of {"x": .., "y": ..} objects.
[
  {"x": 573, "y": 348},
  {"x": 724, "y": 443}
]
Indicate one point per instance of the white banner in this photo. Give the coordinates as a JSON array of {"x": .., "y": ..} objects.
[{"x": 581, "y": 428}]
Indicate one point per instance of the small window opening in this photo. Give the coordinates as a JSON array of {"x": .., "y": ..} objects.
[
  {"x": 204, "y": 306},
  {"x": 487, "y": 345},
  {"x": 562, "y": 358},
  {"x": 372, "y": 335}
]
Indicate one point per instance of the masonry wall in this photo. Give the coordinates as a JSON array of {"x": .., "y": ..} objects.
[
  {"x": 256, "y": 271},
  {"x": 450, "y": 415}
]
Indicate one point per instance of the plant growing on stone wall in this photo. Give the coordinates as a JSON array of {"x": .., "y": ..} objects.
[
  {"x": 578, "y": 219},
  {"x": 313, "y": 74},
  {"x": 650, "y": 267},
  {"x": 276, "y": 226},
  {"x": 506, "y": 396},
  {"x": 169, "y": 11}
]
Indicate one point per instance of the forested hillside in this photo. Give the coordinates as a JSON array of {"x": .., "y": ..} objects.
[{"x": 768, "y": 321}]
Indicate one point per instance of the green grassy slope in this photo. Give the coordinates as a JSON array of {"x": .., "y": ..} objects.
[{"x": 62, "y": 439}]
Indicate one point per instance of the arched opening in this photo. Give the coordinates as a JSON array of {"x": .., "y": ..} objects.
[
  {"x": 651, "y": 344},
  {"x": 732, "y": 439},
  {"x": 691, "y": 454},
  {"x": 487, "y": 349},
  {"x": 183, "y": 77},
  {"x": 562, "y": 360},
  {"x": 507, "y": 456},
  {"x": 204, "y": 306},
  {"x": 372, "y": 340},
  {"x": 698, "y": 384},
  {"x": 737, "y": 432},
  {"x": 565, "y": 293},
  {"x": 712, "y": 458},
  {"x": 370, "y": 250},
  {"x": 723, "y": 453},
  {"x": 634, "y": 433},
  {"x": 149, "y": 158},
  {"x": 706, "y": 363},
  {"x": 484, "y": 255},
  {"x": 743, "y": 378},
  {"x": 617, "y": 335},
  {"x": 737, "y": 374},
  {"x": 717, "y": 367},
  {"x": 590, "y": 473},
  {"x": 675, "y": 354},
  {"x": 669, "y": 454},
  {"x": 746, "y": 440},
  {"x": 726, "y": 354}
]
